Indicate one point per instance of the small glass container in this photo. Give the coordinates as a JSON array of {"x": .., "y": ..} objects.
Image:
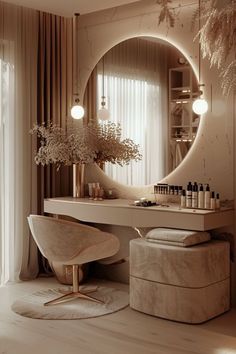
[{"x": 111, "y": 193}]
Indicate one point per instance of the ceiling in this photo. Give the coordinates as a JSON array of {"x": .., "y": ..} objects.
[{"x": 68, "y": 7}]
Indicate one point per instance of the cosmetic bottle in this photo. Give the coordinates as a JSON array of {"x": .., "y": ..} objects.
[
  {"x": 180, "y": 190},
  {"x": 183, "y": 199},
  {"x": 201, "y": 197},
  {"x": 195, "y": 195},
  {"x": 176, "y": 190},
  {"x": 207, "y": 197},
  {"x": 217, "y": 201},
  {"x": 189, "y": 195},
  {"x": 212, "y": 201}
]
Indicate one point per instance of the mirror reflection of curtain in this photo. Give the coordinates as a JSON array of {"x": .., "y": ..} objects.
[{"x": 136, "y": 94}]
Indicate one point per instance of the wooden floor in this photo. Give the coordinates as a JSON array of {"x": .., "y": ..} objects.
[{"x": 124, "y": 332}]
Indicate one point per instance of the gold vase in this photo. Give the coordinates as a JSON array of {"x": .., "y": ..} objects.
[{"x": 78, "y": 180}]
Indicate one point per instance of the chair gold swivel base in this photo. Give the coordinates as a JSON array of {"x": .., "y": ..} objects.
[{"x": 75, "y": 293}]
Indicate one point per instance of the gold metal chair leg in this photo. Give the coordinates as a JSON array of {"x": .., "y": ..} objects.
[
  {"x": 82, "y": 291},
  {"x": 75, "y": 293},
  {"x": 61, "y": 299},
  {"x": 70, "y": 297}
]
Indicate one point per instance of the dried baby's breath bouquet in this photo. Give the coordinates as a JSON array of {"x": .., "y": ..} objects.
[
  {"x": 106, "y": 140},
  {"x": 90, "y": 143}
]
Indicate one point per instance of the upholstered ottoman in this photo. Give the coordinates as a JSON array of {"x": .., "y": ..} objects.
[{"x": 186, "y": 284}]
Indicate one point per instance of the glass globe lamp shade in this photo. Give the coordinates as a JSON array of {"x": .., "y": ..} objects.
[
  {"x": 77, "y": 111},
  {"x": 103, "y": 114},
  {"x": 200, "y": 106}
]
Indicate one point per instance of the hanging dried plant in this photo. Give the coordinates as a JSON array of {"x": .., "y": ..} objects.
[
  {"x": 218, "y": 32},
  {"x": 166, "y": 14},
  {"x": 228, "y": 75},
  {"x": 201, "y": 9},
  {"x": 217, "y": 38},
  {"x": 217, "y": 35}
]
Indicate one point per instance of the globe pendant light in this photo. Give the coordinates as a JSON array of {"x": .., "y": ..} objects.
[
  {"x": 77, "y": 111},
  {"x": 200, "y": 105},
  {"x": 103, "y": 113}
]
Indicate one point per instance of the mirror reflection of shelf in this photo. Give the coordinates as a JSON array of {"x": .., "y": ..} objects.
[{"x": 183, "y": 123}]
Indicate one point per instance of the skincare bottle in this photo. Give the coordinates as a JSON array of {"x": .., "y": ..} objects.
[
  {"x": 207, "y": 197},
  {"x": 189, "y": 195},
  {"x": 217, "y": 201},
  {"x": 183, "y": 199},
  {"x": 195, "y": 195},
  {"x": 212, "y": 201},
  {"x": 180, "y": 190},
  {"x": 201, "y": 197}
]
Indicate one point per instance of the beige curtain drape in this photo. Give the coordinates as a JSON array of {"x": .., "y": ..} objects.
[
  {"x": 36, "y": 53},
  {"x": 18, "y": 54},
  {"x": 55, "y": 63}
]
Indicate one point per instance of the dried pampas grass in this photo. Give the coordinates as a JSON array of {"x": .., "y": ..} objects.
[
  {"x": 217, "y": 35},
  {"x": 217, "y": 38}
]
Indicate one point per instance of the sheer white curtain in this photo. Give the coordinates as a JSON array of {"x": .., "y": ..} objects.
[
  {"x": 135, "y": 84},
  {"x": 18, "y": 93},
  {"x": 7, "y": 163}
]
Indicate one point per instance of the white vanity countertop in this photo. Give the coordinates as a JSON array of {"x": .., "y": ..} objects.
[
  {"x": 122, "y": 212},
  {"x": 125, "y": 203}
]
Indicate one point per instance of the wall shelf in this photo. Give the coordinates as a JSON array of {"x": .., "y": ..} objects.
[{"x": 181, "y": 116}]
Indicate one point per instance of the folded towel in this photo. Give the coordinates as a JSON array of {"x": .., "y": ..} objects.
[{"x": 183, "y": 238}]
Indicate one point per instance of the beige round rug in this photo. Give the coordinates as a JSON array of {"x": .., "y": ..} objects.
[{"x": 32, "y": 305}]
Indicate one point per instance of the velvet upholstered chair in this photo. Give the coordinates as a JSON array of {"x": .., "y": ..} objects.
[{"x": 72, "y": 244}]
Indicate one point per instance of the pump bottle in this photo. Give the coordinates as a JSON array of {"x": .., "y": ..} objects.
[
  {"x": 183, "y": 199},
  {"x": 207, "y": 197},
  {"x": 195, "y": 195},
  {"x": 189, "y": 195},
  {"x": 212, "y": 201},
  {"x": 217, "y": 201},
  {"x": 201, "y": 197}
]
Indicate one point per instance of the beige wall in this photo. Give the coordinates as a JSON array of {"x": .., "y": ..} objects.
[{"x": 211, "y": 158}]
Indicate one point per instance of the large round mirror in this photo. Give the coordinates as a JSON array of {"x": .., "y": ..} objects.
[{"x": 149, "y": 88}]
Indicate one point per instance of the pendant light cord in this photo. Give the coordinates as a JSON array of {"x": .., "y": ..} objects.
[
  {"x": 75, "y": 56},
  {"x": 103, "y": 89},
  {"x": 199, "y": 44}
]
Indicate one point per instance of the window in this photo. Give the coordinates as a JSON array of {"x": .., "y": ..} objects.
[{"x": 6, "y": 189}]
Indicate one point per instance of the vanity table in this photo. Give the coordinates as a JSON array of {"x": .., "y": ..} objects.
[
  {"x": 186, "y": 293},
  {"x": 121, "y": 212}
]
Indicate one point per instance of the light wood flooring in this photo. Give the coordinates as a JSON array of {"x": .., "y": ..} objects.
[{"x": 124, "y": 332}]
